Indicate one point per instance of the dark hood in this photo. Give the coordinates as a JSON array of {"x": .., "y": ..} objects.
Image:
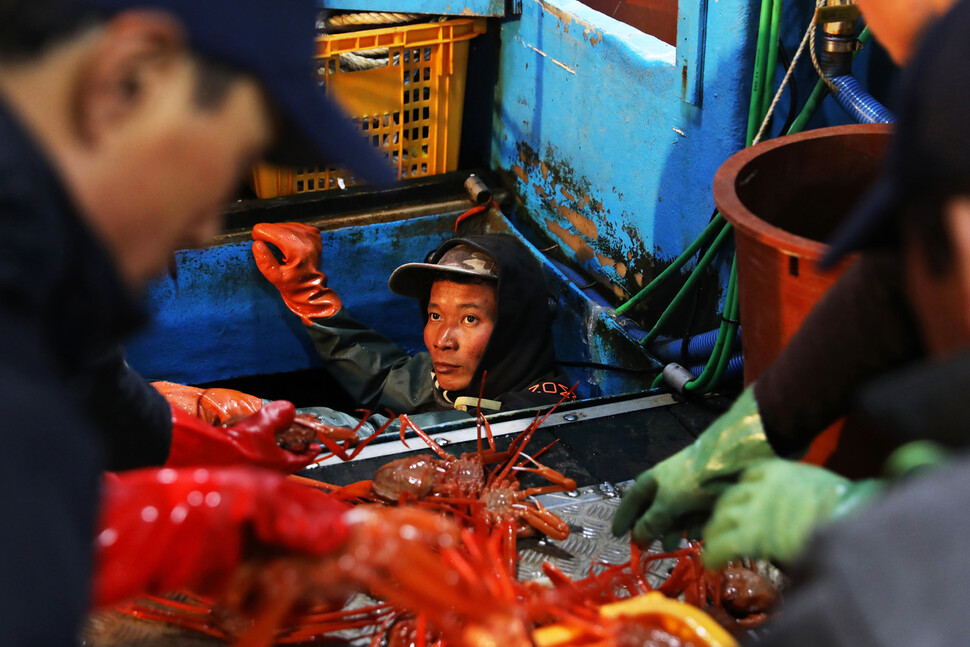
[{"x": 519, "y": 351}]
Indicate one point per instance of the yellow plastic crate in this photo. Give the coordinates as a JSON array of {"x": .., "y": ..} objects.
[{"x": 409, "y": 105}]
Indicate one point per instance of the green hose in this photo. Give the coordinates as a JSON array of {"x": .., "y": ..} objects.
[
  {"x": 810, "y": 107},
  {"x": 713, "y": 227},
  {"x": 767, "y": 88},
  {"x": 754, "y": 117},
  {"x": 721, "y": 355},
  {"x": 688, "y": 284}
]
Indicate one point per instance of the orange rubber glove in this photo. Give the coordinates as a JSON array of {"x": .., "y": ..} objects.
[
  {"x": 165, "y": 529},
  {"x": 181, "y": 396},
  {"x": 300, "y": 282},
  {"x": 215, "y": 406},
  {"x": 250, "y": 441}
]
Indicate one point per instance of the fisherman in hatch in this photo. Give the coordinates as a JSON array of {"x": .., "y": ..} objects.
[{"x": 486, "y": 325}]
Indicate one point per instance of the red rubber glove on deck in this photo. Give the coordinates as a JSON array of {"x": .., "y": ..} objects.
[
  {"x": 251, "y": 441},
  {"x": 300, "y": 282},
  {"x": 165, "y": 529}
]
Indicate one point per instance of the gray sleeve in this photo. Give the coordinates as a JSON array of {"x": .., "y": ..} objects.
[
  {"x": 894, "y": 574},
  {"x": 377, "y": 373}
]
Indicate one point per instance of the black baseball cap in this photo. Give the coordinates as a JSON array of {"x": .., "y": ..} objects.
[
  {"x": 274, "y": 41},
  {"x": 929, "y": 155}
]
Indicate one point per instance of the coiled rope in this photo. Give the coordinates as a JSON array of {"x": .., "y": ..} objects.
[
  {"x": 364, "y": 59},
  {"x": 350, "y": 21}
]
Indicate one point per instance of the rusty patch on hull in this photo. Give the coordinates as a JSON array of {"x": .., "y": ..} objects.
[
  {"x": 608, "y": 247},
  {"x": 605, "y": 261},
  {"x": 591, "y": 34},
  {"x": 583, "y": 251},
  {"x": 584, "y": 226}
]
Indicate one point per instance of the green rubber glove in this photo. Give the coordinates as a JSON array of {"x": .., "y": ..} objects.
[
  {"x": 669, "y": 496},
  {"x": 915, "y": 457},
  {"x": 774, "y": 508}
]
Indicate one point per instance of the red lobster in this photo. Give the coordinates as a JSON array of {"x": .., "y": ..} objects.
[{"x": 462, "y": 486}]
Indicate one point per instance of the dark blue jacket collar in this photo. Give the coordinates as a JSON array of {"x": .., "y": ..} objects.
[{"x": 51, "y": 264}]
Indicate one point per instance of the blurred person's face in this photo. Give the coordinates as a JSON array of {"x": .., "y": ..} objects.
[
  {"x": 461, "y": 317},
  {"x": 898, "y": 24},
  {"x": 155, "y": 167},
  {"x": 942, "y": 303}
]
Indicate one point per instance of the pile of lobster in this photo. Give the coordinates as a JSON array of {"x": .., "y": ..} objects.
[{"x": 463, "y": 590}]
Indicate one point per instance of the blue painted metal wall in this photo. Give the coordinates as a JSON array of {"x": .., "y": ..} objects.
[
  {"x": 607, "y": 157},
  {"x": 220, "y": 319},
  {"x": 610, "y": 139}
]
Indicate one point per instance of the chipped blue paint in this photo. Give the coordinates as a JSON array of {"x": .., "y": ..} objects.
[
  {"x": 607, "y": 159},
  {"x": 492, "y": 8}
]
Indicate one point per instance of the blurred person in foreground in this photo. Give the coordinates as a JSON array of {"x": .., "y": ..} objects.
[
  {"x": 863, "y": 328},
  {"x": 124, "y": 126},
  {"x": 893, "y": 571}
]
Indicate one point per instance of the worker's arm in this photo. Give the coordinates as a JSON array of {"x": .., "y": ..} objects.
[
  {"x": 860, "y": 329},
  {"x": 375, "y": 372},
  {"x": 133, "y": 418}
]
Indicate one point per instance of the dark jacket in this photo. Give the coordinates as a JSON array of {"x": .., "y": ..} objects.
[
  {"x": 862, "y": 328},
  {"x": 519, "y": 358},
  {"x": 897, "y": 572},
  {"x": 69, "y": 405}
]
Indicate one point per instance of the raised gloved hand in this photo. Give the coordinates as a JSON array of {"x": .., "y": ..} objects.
[
  {"x": 250, "y": 441},
  {"x": 164, "y": 529},
  {"x": 774, "y": 508},
  {"x": 669, "y": 497},
  {"x": 300, "y": 282},
  {"x": 215, "y": 406}
]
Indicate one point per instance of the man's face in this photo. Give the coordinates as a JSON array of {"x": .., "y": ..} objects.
[
  {"x": 178, "y": 165},
  {"x": 461, "y": 318},
  {"x": 942, "y": 303},
  {"x": 898, "y": 24}
]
